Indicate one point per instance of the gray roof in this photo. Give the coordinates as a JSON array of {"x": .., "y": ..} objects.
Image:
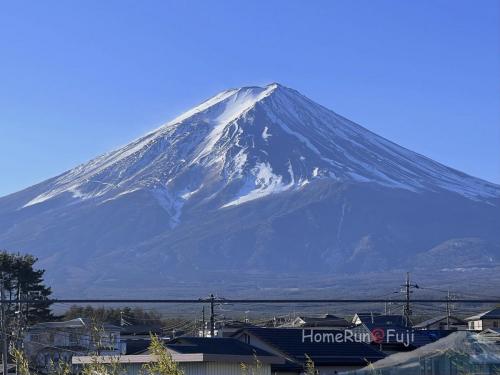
[
  {"x": 491, "y": 314},
  {"x": 490, "y": 331},
  {"x": 71, "y": 324},
  {"x": 325, "y": 320},
  {"x": 382, "y": 319},
  {"x": 438, "y": 319}
]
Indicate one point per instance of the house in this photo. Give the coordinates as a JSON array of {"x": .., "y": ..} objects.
[
  {"x": 361, "y": 317},
  {"x": 50, "y": 342},
  {"x": 140, "y": 330},
  {"x": 391, "y": 338},
  {"x": 482, "y": 321},
  {"x": 326, "y": 321},
  {"x": 330, "y": 350},
  {"x": 461, "y": 352},
  {"x": 137, "y": 338},
  {"x": 196, "y": 355},
  {"x": 378, "y": 319},
  {"x": 443, "y": 322},
  {"x": 227, "y": 328}
]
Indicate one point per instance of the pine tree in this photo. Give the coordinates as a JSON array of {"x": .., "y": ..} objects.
[{"x": 22, "y": 281}]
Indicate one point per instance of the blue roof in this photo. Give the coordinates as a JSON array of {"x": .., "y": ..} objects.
[
  {"x": 491, "y": 314},
  {"x": 216, "y": 345},
  {"x": 382, "y": 319},
  {"x": 289, "y": 341}
]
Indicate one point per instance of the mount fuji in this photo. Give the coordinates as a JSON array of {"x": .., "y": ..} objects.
[{"x": 255, "y": 183}]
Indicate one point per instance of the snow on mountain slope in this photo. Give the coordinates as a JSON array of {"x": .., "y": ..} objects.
[
  {"x": 247, "y": 143},
  {"x": 254, "y": 181}
]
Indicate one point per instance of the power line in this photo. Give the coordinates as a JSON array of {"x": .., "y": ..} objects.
[{"x": 251, "y": 301}]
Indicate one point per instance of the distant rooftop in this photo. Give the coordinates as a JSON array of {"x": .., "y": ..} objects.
[
  {"x": 382, "y": 319},
  {"x": 453, "y": 321},
  {"x": 324, "y": 320},
  {"x": 72, "y": 324},
  {"x": 491, "y": 314}
]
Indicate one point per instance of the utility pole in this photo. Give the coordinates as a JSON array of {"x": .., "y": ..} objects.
[
  {"x": 212, "y": 300},
  {"x": 203, "y": 320},
  {"x": 212, "y": 316},
  {"x": 407, "y": 290},
  {"x": 448, "y": 311},
  {"x": 5, "y": 345},
  {"x": 407, "y": 304}
]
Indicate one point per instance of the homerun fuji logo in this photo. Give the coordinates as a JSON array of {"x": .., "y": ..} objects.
[
  {"x": 328, "y": 337},
  {"x": 376, "y": 335}
]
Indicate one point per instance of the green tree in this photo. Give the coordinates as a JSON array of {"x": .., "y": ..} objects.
[
  {"x": 164, "y": 364},
  {"x": 310, "y": 368},
  {"x": 22, "y": 280},
  {"x": 255, "y": 369},
  {"x": 21, "y": 362}
]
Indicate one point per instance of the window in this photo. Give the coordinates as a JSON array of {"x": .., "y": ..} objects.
[{"x": 495, "y": 324}]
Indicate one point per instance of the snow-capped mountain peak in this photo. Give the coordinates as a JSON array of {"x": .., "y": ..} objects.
[
  {"x": 253, "y": 181},
  {"x": 247, "y": 143}
]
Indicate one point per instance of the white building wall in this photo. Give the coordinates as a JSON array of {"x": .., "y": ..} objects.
[
  {"x": 482, "y": 324},
  {"x": 216, "y": 368},
  {"x": 205, "y": 368}
]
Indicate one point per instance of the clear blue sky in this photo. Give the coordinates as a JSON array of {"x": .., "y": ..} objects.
[{"x": 78, "y": 78}]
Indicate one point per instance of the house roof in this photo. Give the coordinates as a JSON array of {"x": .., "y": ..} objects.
[
  {"x": 236, "y": 324},
  {"x": 290, "y": 342},
  {"x": 325, "y": 320},
  {"x": 140, "y": 329},
  {"x": 199, "y": 349},
  {"x": 136, "y": 345},
  {"x": 417, "y": 338},
  {"x": 364, "y": 315},
  {"x": 382, "y": 319},
  {"x": 438, "y": 319},
  {"x": 491, "y": 314},
  {"x": 216, "y": 345},
  {"x": 71, "y": 324}
]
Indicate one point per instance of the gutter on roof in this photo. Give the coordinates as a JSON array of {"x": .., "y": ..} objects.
[{"x": 177, "y": 357}]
